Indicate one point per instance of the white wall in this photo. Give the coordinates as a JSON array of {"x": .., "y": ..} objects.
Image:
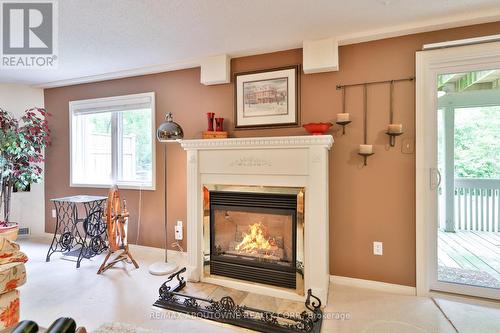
[{"x": 27, "y": 207}]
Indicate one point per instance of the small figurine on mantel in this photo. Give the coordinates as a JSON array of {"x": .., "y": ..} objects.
[{"x": 219, "y": 132}]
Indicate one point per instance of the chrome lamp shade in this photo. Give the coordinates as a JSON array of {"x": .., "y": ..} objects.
[{"x": 169, "y": 131}]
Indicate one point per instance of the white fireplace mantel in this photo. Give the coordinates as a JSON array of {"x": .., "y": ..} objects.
[
  {"x": 292, "y": 161},
  {"x": 325, "y": 141}
]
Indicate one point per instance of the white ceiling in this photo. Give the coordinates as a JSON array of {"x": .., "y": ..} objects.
[{"x": 105, "y": 36}]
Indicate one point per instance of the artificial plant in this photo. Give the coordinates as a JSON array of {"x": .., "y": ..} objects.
[{"x": 22, "y": 143}]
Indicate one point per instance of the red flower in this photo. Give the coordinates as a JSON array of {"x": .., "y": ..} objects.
[
  {"x": 12, "y": 284},
  {"x": 10, "y": 315}
]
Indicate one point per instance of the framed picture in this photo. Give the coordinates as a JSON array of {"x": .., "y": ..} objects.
[{"x": 267, "y": 98}]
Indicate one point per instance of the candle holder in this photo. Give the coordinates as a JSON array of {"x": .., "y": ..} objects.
[
  {"x": 399, "y": 128},
  {"x": 210, "y": 121},
  {"x": 392, "y": 137},
  {"x": 365, "y": 157},
  {"x": 347, "y": 121},
  {"x": 343, "y": 124},
  {"x": 369, "y": 152},
  {"x": 219, "y": 124}
]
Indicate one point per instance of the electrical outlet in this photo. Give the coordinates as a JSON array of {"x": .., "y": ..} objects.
[
  {"x": 53, "y": 213},
  {"x": 378, "y": 248},
  {"x": 178, "y": 230}
]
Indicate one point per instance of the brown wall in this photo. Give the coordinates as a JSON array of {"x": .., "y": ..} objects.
[{"x": 376, "y": 202}]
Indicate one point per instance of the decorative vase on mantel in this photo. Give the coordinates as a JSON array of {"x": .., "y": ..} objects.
[{"x": 210, "y": 119}]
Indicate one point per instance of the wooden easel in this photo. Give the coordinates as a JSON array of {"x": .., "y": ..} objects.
[{"x": 116, "y": 222}]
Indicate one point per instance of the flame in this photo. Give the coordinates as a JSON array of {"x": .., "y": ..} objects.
[{"x": 254, "y": 240}]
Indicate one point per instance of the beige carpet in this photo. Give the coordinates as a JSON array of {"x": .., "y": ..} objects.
[
  {"x": 470, "y": 315},
  {"x": 122, "y": 328},
  {"x": 125, "y": 295}
]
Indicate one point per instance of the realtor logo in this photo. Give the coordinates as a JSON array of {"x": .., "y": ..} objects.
[{"x": 29, "y": 34}]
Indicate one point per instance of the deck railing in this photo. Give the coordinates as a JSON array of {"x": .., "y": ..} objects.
[{"x": 477, "y": 204}]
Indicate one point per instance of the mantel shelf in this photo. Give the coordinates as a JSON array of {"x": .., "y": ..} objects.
[{"x": 260, "y": 142}]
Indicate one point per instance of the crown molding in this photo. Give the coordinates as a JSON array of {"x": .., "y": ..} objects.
[
  {"x": 259, "y": 142},
  {"x": 452, "y": 21},
  {"x": 193, "y": 63},
  {"x": 462, "y": 42}
]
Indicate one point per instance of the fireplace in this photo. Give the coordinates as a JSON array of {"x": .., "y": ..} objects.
[
  {"x": 255, "y": 234},
  {"x": 270, "y": 165}
]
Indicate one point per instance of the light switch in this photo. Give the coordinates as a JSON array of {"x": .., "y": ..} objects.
[{"x": 407, "y": 146}]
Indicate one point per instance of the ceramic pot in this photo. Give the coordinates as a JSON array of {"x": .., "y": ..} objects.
[{"x": 10, "y": 231}]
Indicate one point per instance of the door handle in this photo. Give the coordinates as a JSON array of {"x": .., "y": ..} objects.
[{"x": 434, "y": 178}]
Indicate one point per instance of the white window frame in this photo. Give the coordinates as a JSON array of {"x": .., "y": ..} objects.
[{"x": 111, "y": 102}]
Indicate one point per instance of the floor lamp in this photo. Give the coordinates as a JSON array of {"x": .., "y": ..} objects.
[{"x": 169, "y": 131}]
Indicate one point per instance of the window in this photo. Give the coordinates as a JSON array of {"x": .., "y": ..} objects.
[{"x": 112, "y": 142}]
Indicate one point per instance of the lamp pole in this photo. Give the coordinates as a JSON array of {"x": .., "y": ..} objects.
[
  {"x": 168, "y": 131},
  {"x": 165, "y": 205}
]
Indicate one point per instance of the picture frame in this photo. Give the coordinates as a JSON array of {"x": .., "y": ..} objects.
[{"x": 267, "y": 98}]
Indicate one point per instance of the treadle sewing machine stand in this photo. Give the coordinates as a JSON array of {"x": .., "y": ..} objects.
[
  {"x": 227, "y": 311},
  {"x": 75, "y": 236}
]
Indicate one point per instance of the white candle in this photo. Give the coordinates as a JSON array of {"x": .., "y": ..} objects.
[
  {"x": 366, "y": 149},
  {"x": 341, "y": 117},
  {"x": 395, "y": 128}
]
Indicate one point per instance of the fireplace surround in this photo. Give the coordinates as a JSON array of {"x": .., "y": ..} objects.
[
  {"x": 262, "y": 163},
  {"x": 255, "y": 233}
]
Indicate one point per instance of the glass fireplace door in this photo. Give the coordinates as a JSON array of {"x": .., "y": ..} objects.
[
  {"x": 253, "y": 237},
  {"x": 265, "y": 237}
]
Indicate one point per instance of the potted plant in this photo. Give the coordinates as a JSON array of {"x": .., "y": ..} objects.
[{"x": 21, "y": 150}]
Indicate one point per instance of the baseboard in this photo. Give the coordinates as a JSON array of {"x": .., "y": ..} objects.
[
  {"x": 44, "y": 235},
  {"x": 176, "y": 253},
  {"x": 374, "y": 285}
]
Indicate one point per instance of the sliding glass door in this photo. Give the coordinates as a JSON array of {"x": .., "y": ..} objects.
[
  {"x": 458, "y": 197},
  {"x": 468, "y": 228}
]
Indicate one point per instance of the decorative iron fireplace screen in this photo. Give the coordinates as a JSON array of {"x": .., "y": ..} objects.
[
  {"x": 227, "y": 311},
  {"x": 253, "y": 236}
]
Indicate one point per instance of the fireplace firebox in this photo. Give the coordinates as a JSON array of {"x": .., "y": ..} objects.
[{"x": 255, "y": 234}]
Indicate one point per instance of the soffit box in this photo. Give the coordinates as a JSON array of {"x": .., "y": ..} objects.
[
  {"x": 320, "y": 56},
  {"x": 216, "y": 70}
]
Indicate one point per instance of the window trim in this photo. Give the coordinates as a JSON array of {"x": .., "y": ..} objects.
[{"x": 110, "y": 101}]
